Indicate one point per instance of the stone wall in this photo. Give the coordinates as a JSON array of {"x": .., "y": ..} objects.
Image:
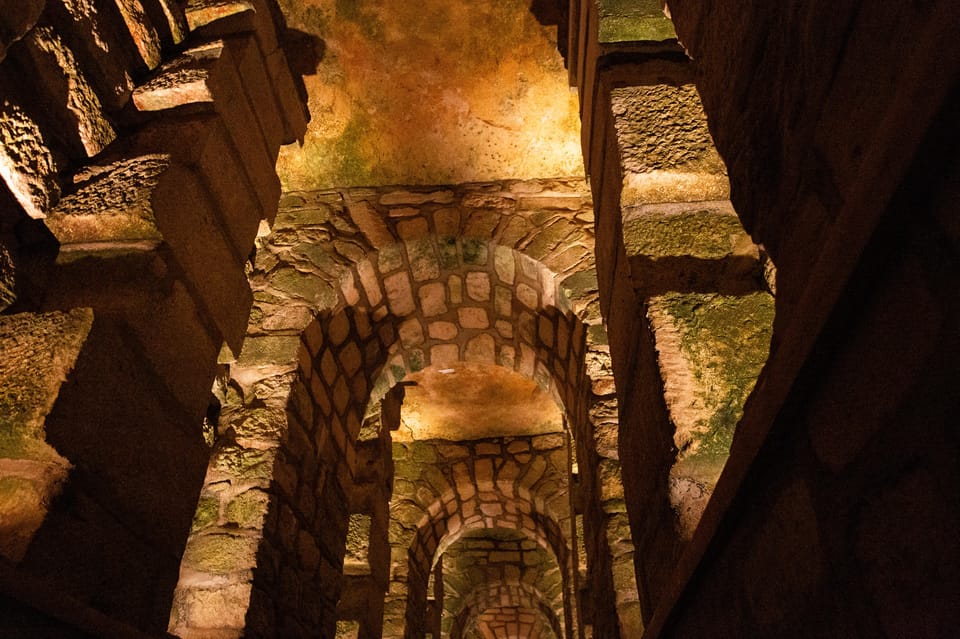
[
  {"x": 834, "y": 125},
  {"x": 686, "y": 304},
  {"x": 104, "y": 208},
  {"x": 447, "y": 491},
  {"x": 353, "y": 290}
]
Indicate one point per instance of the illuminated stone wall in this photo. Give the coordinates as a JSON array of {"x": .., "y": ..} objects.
[{"x": 354, "y": 292}]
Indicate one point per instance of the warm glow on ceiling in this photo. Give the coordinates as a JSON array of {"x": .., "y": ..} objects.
[
  {"x": 431, "y": 92},
  {"x": 474, "y": 401}
]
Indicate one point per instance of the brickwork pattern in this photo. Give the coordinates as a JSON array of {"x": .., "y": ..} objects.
[{"x": 352, "y": 290}]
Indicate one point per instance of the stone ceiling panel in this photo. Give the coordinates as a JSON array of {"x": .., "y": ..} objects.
[{"x": 431, "y": 92}]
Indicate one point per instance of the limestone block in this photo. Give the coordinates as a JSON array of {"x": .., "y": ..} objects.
[
  {"x": 151, "y": 197},
  {"x": 696, "y": 246},
  {"x": 111, "y": 206},
  {"x": 633, "y": 21},
  {"x": 143, "y": 34},
  {"x": 95, "y": 41},
  {"x": 208, "y": 76},
  {"x": 27, "y": 165},
  {"x": 17, "y": 17},
  {"x": 666, "y": 151},
  {"x": 69, "y": 100},
  {"x": 251, "y": 66},
  {"x": 169, "y": 19},
  {"x": 213, "y": 156},
  {"x": 710, "y": 350},
  {"x": 218, "y": 18}
]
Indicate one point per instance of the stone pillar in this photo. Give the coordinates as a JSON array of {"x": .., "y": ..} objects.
[
  {"x": 665, "y": 232},
  {"x": 104, "y": 206}
]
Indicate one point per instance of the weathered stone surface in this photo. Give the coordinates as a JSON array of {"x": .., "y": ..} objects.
[
  {"x": 169, "y": 20},
  {"x": 260, "y": 92},
  {"x": 666, "y": 152},
  {"x": 626, "y": 21},
  {"x": 707, "y": 230},
  {"x": 27, "y": 164},
  {"x": 133, "y": 200},
  {"x": 96, "y": 42},
  {"x": 145, "y": 40},
  {"x": 293, "y": 109},
  {"x": 8, "y": 271},
  {"x": 72, "y": 104},
  {"x": 39, "y": 351},
  {"x": 212, "y": 156},
  {"x": 208, "y": 75},
  {"x": 113, "y": 206},
  {"x": 711, "y": 349}
]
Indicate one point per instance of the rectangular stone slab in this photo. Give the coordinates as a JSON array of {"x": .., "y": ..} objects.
[
  {"x": 212, "y": 154},
  {"x": 70, "y": 102},
  {"x": 143, "y": 36},
  {"x": 666, "y": 151},
  {"x": 96, "y": 42},
  {"x": 207, "y": 76},
  {"x": 27, "y": 165},
  {"x": 144, "y": 199}
]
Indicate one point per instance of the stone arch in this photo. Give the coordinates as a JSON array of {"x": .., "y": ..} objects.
[
  {"x": 525, "y": 597},
  {"x": 510, "y": 484},
  {"x": 487, "y": 303},
  {"x": 320, "y": 336}
]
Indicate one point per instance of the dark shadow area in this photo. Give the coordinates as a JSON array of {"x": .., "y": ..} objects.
[
  {"x": 554, "y": 13},
  {"x": 305, "y": 52}
]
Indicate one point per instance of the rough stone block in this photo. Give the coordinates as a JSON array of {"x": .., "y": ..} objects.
[
  {"x": 149, "y": 197},
  {"x": 27, "y": 165},
  {"x": 635, "y": 21},
  {"x": 212, "y": 155},
  {"x": 219, "y": 17},
  {"x": 251, "y": 66},
  {"x": 95, "y": 41},
  {"x": 142, "y": 289},
  {"x": 293, "y": 107},
  {"x": 208, "y": 76},
  {"x": 144, "y": 38},
  {"x": 672, "y": 162},
  {"x": 39, "y": 351},
  {"x": 111, "y": 207},
  {"x": 690, "y": 247},
  {"x": 169, "y": 19},
  {"x": 69, "y": 100}
]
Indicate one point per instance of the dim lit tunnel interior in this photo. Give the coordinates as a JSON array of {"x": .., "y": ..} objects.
[{"x": 500, "y": 320}]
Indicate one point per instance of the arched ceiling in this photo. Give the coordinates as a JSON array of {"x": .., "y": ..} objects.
[
  {"x": 431, "y": 92},
  {"x": 475, "y": 401}
]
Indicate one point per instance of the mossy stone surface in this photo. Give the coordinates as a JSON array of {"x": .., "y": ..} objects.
[
  {"x": 692, "y": 233},
  {"x": 634, "y": 21},
  {"x": 207, "y": 513},
  {"x": 221, "y": 553},
  {"x": 247, "y": 509},
  {"x": 725, "y": 342}
]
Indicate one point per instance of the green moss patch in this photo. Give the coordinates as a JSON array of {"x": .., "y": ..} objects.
[
  {"x": 726, "y": 342},
  {"x": 692, "y": 233},
  {"x": 634, "y": 21}
]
